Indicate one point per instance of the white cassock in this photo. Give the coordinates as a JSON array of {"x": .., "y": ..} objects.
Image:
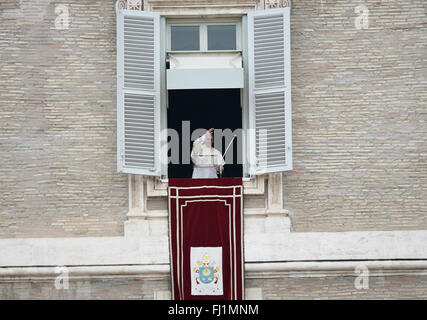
[{"x": 205, "y": 158}]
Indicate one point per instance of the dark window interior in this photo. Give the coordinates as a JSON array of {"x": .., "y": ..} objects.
[{"x": 211, "y": 108}]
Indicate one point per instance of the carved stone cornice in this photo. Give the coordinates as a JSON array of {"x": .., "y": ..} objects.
[
  {"x": 195, "y": 7},
  {"x": 272, "y": 4},
  {"x": 130, "y": 4},
  {"x": 201, "y": 7}
]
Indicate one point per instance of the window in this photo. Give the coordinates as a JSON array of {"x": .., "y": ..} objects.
[
  {"x": 143, "y": 41},
  {"x": 191, "y": 35},
  {"x": 221, "y": 37},
  {"x": 185, "y": 38},
  {"x": 196, "y": 109}
]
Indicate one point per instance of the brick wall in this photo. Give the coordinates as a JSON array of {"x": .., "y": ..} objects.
[
  {"x": 336, "y": 287},
  {"x": 359, "y": 116},
  {"x": 58, "y": 122},
  {"x": 342, "y": 287},
  {"x": 103, "y": 289},
  {"x": 359, "y": 121}
]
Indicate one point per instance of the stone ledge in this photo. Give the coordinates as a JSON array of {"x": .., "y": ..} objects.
[
  {"x": 252, "y": 270},
  {"x": 258, "y": 247},
  {"x": 159, "y": 188}
]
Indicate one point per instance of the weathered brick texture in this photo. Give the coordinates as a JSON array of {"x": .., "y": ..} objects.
[
  {"x": 342, "y": 287},
  {"x": 359, "y": 116},
  {"x": 336, "y": 287},
  {"x": 109, "y": 288},
  {"x": 359, "y": 119},
  {"x": 58, "y": 121}
]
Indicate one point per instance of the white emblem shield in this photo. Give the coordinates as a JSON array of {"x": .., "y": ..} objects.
[{"x": 206, "y": 271}]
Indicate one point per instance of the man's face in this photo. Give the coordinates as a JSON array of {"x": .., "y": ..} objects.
[{"x": 209, "y": 140}]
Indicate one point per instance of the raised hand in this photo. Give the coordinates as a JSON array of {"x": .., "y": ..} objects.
[{"x": 209, "y": 137}]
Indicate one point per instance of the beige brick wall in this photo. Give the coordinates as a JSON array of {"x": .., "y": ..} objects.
[
  {"x": 58, "y": 122},
  {"x": 359, "y": 116},
  {"x": 337, "y": 287},
  {"x": 342, "y": 287},
  {"x": 359, "y": 121},
  {"x": 104, "y": 289}
]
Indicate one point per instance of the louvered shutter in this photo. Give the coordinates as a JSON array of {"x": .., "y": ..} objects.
[
  {"x": 269, "y": 81},
  {"x": 138, "y": 92}
]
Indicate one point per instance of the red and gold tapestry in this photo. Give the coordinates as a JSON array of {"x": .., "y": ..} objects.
[{"x": 206, "y": 238}]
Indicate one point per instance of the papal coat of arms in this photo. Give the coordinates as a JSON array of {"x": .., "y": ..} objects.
[
  {"x": 206, "y": 270},
  {"x": 207, "y": 273}
]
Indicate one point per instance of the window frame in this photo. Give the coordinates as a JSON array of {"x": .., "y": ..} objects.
[
  {"x": 243, "y": 44},
  {"x": 169, "y": 36},
  {"x": 203, "y": 33},
  {"x": 241, "y": 47}
]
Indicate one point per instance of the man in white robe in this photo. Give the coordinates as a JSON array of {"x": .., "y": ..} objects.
[{"x": 207, "y": 160}]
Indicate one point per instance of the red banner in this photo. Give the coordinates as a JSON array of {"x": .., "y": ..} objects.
[{"x": 206, "y": 238}]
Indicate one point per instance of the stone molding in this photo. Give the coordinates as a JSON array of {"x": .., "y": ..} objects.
[
  {"x": 150, "y": 4},
  {"x": 172, "y": 7},
  {"x": 130, "y": 4},
  {"x": 274, "y": 4},
  {"x": 138, "y": 249},
  {"x": 192, "y": 7},
  {"x": 159, "y": 188},
  {"x": 252, "y": 270}
]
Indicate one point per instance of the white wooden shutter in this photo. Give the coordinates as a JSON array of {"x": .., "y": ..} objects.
[
  {"x": 269, "y": 73},
  {"x": 138, "y": 92}
]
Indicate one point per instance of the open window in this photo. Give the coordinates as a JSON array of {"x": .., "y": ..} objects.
[
  {"x": 159, "y": 60},
  {"x": 190, "y": 110}
]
